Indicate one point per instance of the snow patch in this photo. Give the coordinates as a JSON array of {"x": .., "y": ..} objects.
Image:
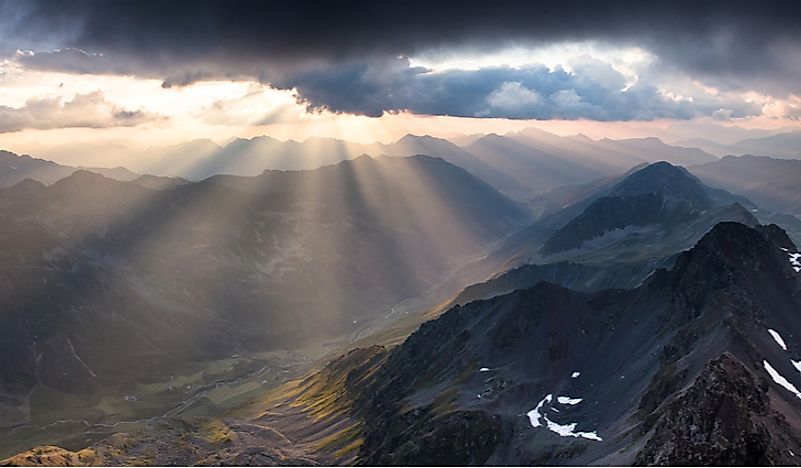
[
  {"x": 568, "y": 401},
  {"x": 536, "y": 417},
  {"x": 795, "y": 261},
  {"x": 779, "y": 379},
  {"x": 484, "y": 369},
  {"x": 796, "y": 364},
  {"x": 575, "y": 375},
  {"x": 778, "y": 338},
  {"x": 569, "y": 430}
]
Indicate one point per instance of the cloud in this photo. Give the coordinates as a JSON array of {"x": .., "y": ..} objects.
[
  {"x": 90, "y": 110},
  {"x": 592, "y": 90},
  {"x": 256, "y": 107},
  {"x": 345, "y": 55}
]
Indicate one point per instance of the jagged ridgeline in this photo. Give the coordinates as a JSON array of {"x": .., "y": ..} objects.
[{"x": 699, "y": 365}]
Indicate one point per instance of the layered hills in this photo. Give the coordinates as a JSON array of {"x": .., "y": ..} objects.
[{"x": 189, "y": 273}]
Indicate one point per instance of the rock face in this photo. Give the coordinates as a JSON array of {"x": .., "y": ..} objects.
[
  {"x": 724, "y": 418},
  {"x": 671, "y": 372}
]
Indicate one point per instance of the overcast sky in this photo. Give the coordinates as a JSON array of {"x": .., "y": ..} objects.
[{"x": 157, "y": 71}]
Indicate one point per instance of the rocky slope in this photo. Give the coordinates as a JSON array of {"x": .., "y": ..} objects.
[
  {"x": 699, "y": 365},
  {"x": 696, "y": 366}
]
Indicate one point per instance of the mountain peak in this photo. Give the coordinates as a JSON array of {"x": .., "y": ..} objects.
[
  {"x": 409, "y": 137},
  {"x": 733, "y": 257},
  {"x": 666, "y": 179},
  {"x": 740, "y": 242},
  {"x": 82, "y": 175}
]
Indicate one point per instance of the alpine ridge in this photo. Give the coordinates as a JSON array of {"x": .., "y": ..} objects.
[{"x": 547, "y": 375}]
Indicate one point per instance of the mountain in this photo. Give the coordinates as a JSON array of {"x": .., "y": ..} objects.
[
  {"x": 561, "y": 197},
  {"x": 548, "y": 375},
  {"x": 521, "y": 164},
  {"x": 654, "y": 149},
  {"x": 609, "y": 157},
  {"x": 659, "y": 194},
  {"x": 659, "y": 209},
  {"x": 697, "y": 366},
  {"x": 438, "y": 147},
  {"x": 710, "y": 146},
  {"x": 529, "y": 166},
  {"x": 602, "y": 241},
  {"x": 783, "y": 145},
  {"x": 189, "y": 274},
  {"x": 16, "y": 168},
  {"x": 159, "y": 182},
  {"x": 200, "y": 159},
  {"x": 770, "y": 183}
]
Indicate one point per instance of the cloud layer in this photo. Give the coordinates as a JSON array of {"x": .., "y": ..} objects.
[
  {"x": 84, "y": 110},
  {"x": 353, "y": 57}
]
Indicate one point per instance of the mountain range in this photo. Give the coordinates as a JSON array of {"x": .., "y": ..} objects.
[
  {"x": 521, "y": 300},
  {"x": 188, "y": 274},
  {"x": 15, "y": 168},
  {"x": 521, "y": 164},
  {"x": 769, "y": 182},
  {"x": 783, "y": 145},
  {"x": 698, "y": 365},
  {"x": 549, "y": 375}
]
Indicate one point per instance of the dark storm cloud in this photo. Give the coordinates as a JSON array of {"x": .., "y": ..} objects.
[
  {"x": 343, "y": 55},
  {"x": 529, "y": 93}
]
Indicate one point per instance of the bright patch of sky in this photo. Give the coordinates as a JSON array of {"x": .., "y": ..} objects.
[{"x": 626, "y": 60}]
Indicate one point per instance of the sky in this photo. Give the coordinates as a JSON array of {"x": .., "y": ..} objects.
[{"x": 154, "y": 72}]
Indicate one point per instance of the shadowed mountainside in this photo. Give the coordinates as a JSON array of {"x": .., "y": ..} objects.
[{"x": 228, "y": 266}]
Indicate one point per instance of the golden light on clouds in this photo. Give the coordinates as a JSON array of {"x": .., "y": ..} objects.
[{"x": 223, "y": 110}]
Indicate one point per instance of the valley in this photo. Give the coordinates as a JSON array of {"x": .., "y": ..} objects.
[{"x": 277, "y": 401}]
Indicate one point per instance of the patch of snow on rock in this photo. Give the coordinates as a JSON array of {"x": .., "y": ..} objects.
[
  {"x": 568, "y": 401},
  {"x": 534, "y": 415},
  {"x": 778, "y": 338},
  {"x": 569, "y": 430},
  {"x": 795, "y": 261},
  {"x": 779, "y": 379}
]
